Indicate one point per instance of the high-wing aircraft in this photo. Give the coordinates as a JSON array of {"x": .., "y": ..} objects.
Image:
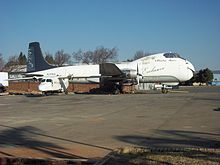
[{"x": 163, "y": 68}]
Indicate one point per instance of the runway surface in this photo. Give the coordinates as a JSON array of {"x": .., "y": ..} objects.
[{"x": 90, "y": 126}]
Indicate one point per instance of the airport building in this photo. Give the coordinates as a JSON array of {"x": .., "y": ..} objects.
[{"x": 216, "y": 78}]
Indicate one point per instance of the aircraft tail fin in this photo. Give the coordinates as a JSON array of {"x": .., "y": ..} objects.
[{"x": 36, "y": 61}]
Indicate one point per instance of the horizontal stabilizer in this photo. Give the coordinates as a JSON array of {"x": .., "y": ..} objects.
[{"x": 109, "y": 69}]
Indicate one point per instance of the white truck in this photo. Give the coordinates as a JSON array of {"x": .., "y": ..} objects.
[{"x": 3, "y": 81}]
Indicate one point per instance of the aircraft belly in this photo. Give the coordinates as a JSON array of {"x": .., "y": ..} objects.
[
  {"x": 152, "y": 79},
  {"x": 85, "y": 80}
]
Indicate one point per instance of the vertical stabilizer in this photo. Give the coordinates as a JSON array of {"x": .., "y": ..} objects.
[{"x": 36, "y": 61}]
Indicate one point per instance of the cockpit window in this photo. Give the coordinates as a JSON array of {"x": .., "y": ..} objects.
[
  {"x": 46, "y": 80},
  {"x": 172, "y": 55}
]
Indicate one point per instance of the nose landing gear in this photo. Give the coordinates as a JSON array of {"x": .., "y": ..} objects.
[{"x": 164, "y": 90}]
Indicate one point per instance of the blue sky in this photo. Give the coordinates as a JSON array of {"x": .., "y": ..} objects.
[{"x": 188, "y": 27}]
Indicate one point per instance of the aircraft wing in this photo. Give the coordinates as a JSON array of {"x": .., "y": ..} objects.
[
  {"x": 24, "y": 78},
  {"x": 110, "y": 70},
  {"x": 33, "y": 75}
]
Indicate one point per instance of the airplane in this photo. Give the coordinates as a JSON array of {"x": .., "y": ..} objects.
[{"x": 163, "y": 68}]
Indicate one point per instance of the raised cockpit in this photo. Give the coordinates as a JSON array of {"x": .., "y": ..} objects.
[{"x": 172, "y": 55}]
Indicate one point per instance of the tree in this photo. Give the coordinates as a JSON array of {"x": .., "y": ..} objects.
[
  {"x": 84, "y": 57},
  {"x": 22, "y": 60},
  {"x": 139, "y": 54},
  {"x": 12, "y": 60},
  {"x": 88, "y": 56},
  {"x": 62, "y": 58},
  {"x": 97, "y": 56},
  {"x": 102, "y": 54},
  {"x": 204, "y": 76},
  {"x": 49, "y": 58},
  {"x": 2, "y": 62},
  {"x": 12, "y": 63}
]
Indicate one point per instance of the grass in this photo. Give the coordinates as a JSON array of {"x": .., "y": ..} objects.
[{"x": 137, "y": 156}]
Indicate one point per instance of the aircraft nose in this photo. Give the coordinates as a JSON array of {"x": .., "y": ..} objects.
[
  {"x": 190, "y": 66},
  {"x": 190, "y": 70}
]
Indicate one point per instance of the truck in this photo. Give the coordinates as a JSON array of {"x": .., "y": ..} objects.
[{"x": 3, "y": 81}]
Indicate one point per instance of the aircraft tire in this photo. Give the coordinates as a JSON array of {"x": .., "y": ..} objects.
[
  {"x": 164, "y": 91},
  {"x": 45, "y": 93},
  {"x": 116, "y": 91}
]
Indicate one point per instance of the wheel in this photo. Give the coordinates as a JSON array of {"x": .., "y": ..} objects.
[
  {"x": 45, "y": 93},
  {"x": 116, "y": 91},
  {"x": 165, "y": 91}
]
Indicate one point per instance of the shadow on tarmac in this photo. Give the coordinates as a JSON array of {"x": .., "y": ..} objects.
[
  {"x": 26, "y": 137},
  {"x": 167, "y": 142},
  {"x": 217, "y": 109},
  {"x": 174, "y": 138}
]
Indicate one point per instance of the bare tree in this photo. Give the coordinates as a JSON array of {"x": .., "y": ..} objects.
[
  {"x": 2, "y": 62},
  {"x": 62, "y": 58},
  {"x": 78, "y": 56},
  {"x": 87, "y": 57},
  {"x": 49, "y": 58},
  {"x": 139, "y": 54},
  {"x": 12, "y": 63},
  {"x": 102, "y": 54},
  {"x": 98, "y": 56},
  {"x": 84, "y": 57}
]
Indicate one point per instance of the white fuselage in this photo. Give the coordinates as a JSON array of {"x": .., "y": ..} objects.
[
  {"x": 153, "y": 68},
  {"x": 158, "y": 68}
]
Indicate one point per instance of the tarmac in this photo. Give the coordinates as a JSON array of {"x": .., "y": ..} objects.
[{"x": 83, "y": 126}]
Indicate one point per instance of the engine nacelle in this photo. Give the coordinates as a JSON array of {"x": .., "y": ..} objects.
[{"x": 130, "y": 74}]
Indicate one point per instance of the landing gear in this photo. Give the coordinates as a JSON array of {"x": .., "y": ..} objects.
[
  {"x": 116, "y": 91},
  {"x": 118, "y": 88},
  {"x": 1, "y": 90},
  {"x": 45, "y": 93},
  {"x": 164, "y": 90}
]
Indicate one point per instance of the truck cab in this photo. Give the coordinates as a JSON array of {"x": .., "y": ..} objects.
[{"x": 53, "y": 85}]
